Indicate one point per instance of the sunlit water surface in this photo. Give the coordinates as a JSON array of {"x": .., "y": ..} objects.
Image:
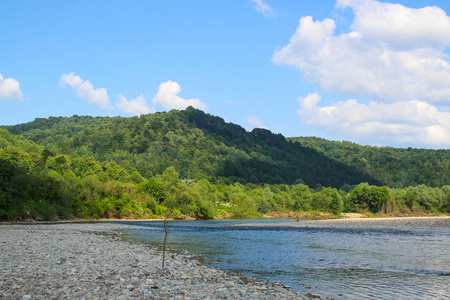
[{"x": 341, "y": 263}]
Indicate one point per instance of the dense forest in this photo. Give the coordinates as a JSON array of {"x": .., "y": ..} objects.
[
  {"x": 198, "y": 145},
  {"x": 192, "y": 164},
  {"x": 394, "y": 167}
]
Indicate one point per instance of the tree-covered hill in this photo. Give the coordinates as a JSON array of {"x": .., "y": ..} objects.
[
  {"x": 86, "y": 167},
  {"x": 198, "y": 145},
  {"x": 394, "y": 167}
]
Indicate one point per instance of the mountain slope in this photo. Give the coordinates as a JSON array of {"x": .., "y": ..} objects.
[
  {"x": 395, "y": 167},
  {"x": 198, "y": 145}
]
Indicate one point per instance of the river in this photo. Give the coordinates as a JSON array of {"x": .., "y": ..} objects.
[{"x": 343, "y": 262}]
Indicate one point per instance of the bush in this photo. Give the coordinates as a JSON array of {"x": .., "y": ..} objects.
[
  {"x": 205, "y": 210},
  {"x": 44, "y": 211}
]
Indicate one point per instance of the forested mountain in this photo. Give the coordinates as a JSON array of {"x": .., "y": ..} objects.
[
  {"x": 193, "y": 164},
  {"x": 394, "y": 167},
  {"x": 198, "y": 145}
]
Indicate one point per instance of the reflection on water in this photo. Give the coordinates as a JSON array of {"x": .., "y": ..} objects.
[{"x": 341, "y": 263}]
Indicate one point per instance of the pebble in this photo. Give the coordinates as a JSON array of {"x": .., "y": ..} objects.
[
  {"x": 228, "y": 284},
  {"x": 91, "y": 261}
]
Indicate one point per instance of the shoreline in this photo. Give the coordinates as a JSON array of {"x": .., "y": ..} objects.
[
  {"x": 309, "y": 217},
  {"x": 365, "y": 218},
  {"x": 92, "y": 261}
]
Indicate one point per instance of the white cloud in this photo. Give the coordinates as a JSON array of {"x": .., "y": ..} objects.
[
  {"x": 394, "y": 53},
  {"x": 400, "y": 26},
  {"x": 85, "y": 90},
  {"x": 412, "y": 122},
  {"x": 395, "y": 56},
  {"x": 168, "y": 99},
  {"x": 255, "y": 122},
  {"x": 136, "y": 107},
  {"x": 263, "y": 8},
  {"x": 10, "y": 89}
]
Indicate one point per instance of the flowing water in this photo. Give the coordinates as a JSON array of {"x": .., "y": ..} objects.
[{"x": 343, "y": 263}]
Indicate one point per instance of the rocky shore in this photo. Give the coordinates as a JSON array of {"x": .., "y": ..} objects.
[
  {"x": 400, "y": 223},
  {"x": 90, "y": 261},
  {"x": 426, "y": 223}
]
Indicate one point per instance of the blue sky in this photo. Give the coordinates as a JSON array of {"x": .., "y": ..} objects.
[{"x": 371, "y": 72}]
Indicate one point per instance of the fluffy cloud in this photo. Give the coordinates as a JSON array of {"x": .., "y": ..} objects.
[
  {"x": 135, "y": 107},
  {"x": 403, "y": 123},
  {"x": 255, "y": 122},
  {"x": 399, "y": 26},
  {"x": 168, "y": 99},
  {"x": 85, "y": 90},
  {"x": 394, "y": 53},
  {"x": 10, "y": 89},
  {"x": 395, "y": 56},
  {"x": 263, "y": 8}
]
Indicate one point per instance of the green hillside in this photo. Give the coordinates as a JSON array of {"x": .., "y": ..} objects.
[
  {"x": 394, "y": 167},
  {"x": 192, "y": 164},
  {"x": 198, "y": 145}
]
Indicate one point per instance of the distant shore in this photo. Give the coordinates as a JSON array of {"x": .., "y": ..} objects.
[
  {"x": 316, "y": 216},
  {"x": 356, "y": 216},
  {"x": 385, "y": 223}
]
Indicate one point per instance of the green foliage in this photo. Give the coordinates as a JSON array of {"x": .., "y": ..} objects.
[
  {"x": 336, "y": 204},
  {"x": 136, "y": 177},
  {"x": 170, "y": 177},
  {"x": 197, "y": 145},
  {"x": 193, "y": 164},
  {"x": 155, "y": 189},
  {"x": 301, "y": 197},
  {"x": 373, "y": 198},
  {"x": 393, "y": 167},
  {"x": 60, "y": 163}
]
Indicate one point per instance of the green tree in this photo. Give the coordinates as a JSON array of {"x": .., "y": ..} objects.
[
  {"x": 171, "y": 177},
  {"x": 155, "y": 189}
]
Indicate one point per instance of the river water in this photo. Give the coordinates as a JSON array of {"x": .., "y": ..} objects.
[{"x": 341, "y": 262}]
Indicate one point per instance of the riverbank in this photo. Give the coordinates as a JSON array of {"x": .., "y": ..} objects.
[
  {"x": 362, "y": 222},
  {"x": 91, "y": 261},
  {"x": 274, "y": 215}
]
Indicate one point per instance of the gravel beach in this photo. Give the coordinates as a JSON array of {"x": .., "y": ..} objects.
[
  {"x": 90, "y": 261},
  {"x": 405, "y": 223}
]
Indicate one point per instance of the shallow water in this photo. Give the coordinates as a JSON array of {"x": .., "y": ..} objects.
[{"x": 344, "y": 263}]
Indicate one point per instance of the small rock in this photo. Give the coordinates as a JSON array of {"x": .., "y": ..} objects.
[{"x": 228, "y": 284}]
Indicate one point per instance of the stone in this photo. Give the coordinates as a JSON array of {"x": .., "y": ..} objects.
[{"x": 229, "y": 284}]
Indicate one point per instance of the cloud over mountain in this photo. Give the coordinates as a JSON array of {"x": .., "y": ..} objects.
[
  {"x": 135, "y": 107},
  {"x": 85, "y": 90},
  {"x": 167, "y": 97}
]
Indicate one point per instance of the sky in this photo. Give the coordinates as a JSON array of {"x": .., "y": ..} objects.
[{"x": 370, "y": 72}]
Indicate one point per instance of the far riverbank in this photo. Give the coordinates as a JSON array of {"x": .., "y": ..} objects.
[{"x": 316, "y": 216}]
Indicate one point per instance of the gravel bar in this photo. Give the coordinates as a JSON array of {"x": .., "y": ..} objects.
[
  {"x": 91, "y": 261},
  {"x": 404, "y": 223},
  {"x": 400, "y": 223}
]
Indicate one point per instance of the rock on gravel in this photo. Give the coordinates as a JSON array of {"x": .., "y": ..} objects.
[{"x": 89, "y": 261}]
